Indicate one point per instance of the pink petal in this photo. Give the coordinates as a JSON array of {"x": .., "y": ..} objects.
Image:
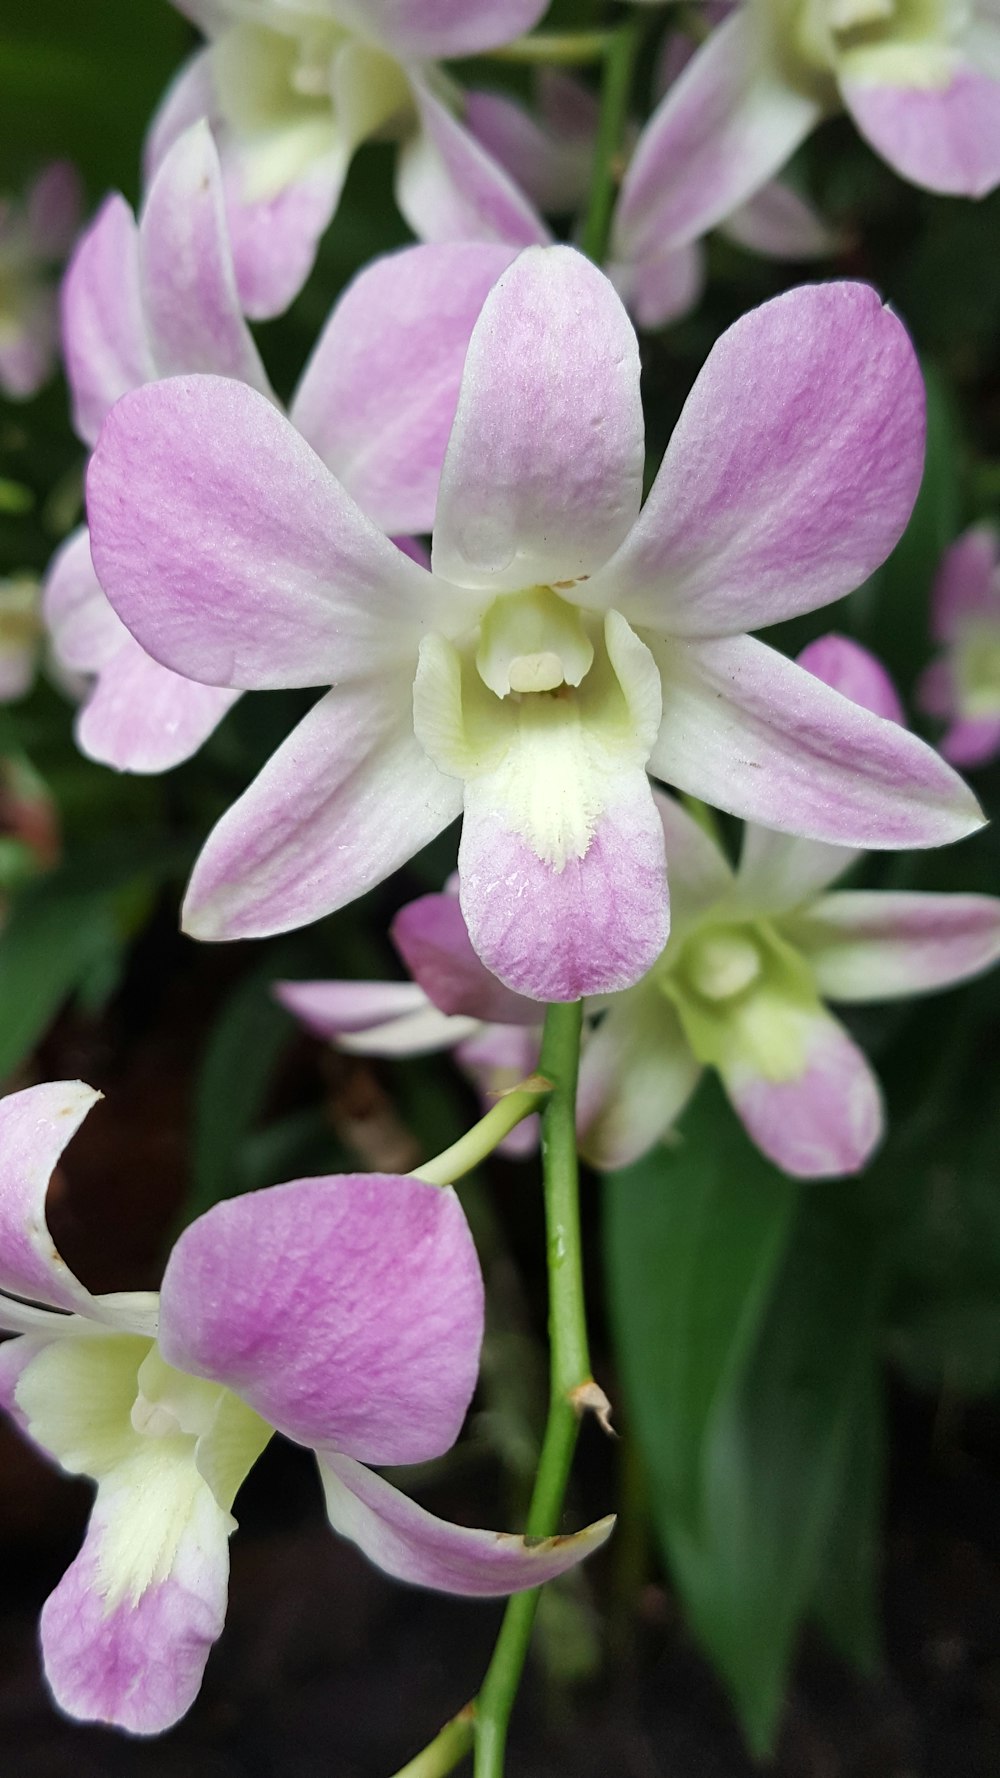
[
  {"x": 698, "y": 869},
  {"x": 944, "y": 138},
  {"x": 543, "y": 474},
  {"x": 790, "y": 474},
  {"x": 35, "y": 1126},
  {"x": 548, "y": 159},
  {"x": 412, "y": 1545},
  {"x": 592, "y": 927},
  {"x": 636, "y": 1076},
  {"x": 778, "y": 871},
  {"x": 418, "y": 30},
  {"x": 189, "y": 97},
  {"x": 105, "y": 340},
  {"x": 55, "y": 206},
  {"x": 749, "y": 731},
  {"x": 347, "y": 799},
  {"x": 972, "y": 742},
  {"x": 138, "y": 1663},
  {"x": 881, "y": 945},
  {"x": 827, "y": 1121},
  {"x": 377, "y": 398},
  {"x": 348, "y": 1311},
  {"x": 854, "y": 672},
  {"x": 230, "y": 551},
  {"x": 966, "y": 582},
  {"x": 186, "y": 269},
  {"x": 274, "y": 240},
  {"x": 141, "y": 717},
  {"x": 495, "y": 1058},
  {"x": 725, "y": 127},
  {"x": 83, "y": 629},
  {"x": 328, "y": 1009},
  {"x": 433, "y": 940},
  {"x": 660, "y": 289},
  {"x": 449, "y": 188},
  {"x": 779, "y": 223}
]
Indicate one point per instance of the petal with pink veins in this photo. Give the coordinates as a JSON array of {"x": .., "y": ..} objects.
[
  {"x": 433, "y": 940},
  {"x": 450, "y": 188},
  {"x": 824, "y": 1121},
  {"x": 436, "y": 30},
  {"x": 347, "y": 1311},
  {"x": 884, "y": 945},
  {"x": 141, "y": 717},
  {"x": 105, "y": 339},
  {"x": 945, "y": 138},
  {"x": 412, "y": 1545}
]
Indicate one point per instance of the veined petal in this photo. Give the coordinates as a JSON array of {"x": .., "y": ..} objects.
[
  {"x": 637, "y": 1073},
  {"x": 230, "y": 551},
  {"x": 660, "y": 289},
  {"x": 728, "y": 124},
  {"x": 83, "y": 629},
  {"x": 822, "y": 1122},
  {"x": 274, "y": 239},
  {"x": 547, "y": 151},
  {"x": 141, "y": 717},
  {"x": 105, "y": 339},
  {"x": 347, "y": 1311},
  {"x": 374, "y": 1018},
  {"x": 433, "y": 940},
  {"x": 751, "y": 732},
  {"x": 186, "y": 269},
  {"x": 377, "y": 398},
  {"x": 411, "y": 1544},
  {"x": 449, "y": 188},
  {"x": 945, "y": 137},
  {"x": 855, "y": 672},
  {"x": 440, "y": 30},
  {"x": 966, "y": 582},
  {"x": 543, "y": 474},
  {"x": 790, "y": 474},
  {"x": 882, "y": 945},
  {"x": 347, "y": 798}
]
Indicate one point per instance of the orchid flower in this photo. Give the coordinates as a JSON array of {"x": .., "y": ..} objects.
[
  {"x": 149, "y": 300},
  {"x": 963, "y": 684},
  {"x": 34, "y": 237},
  {"x": 452, "y": 1003},
  {"x": 344, "y": 1312},
  {"x": 563, "y": 641},
  {"x": 921, "y": 81},
  {"x": 21, "y": 632},
  {"x": 742, "y": 986},
  {"x": 293, "y": 87}
]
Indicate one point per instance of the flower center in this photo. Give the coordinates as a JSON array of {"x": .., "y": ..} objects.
[
  {"x": 901, "y": 42},
  {"x": 720, "y": 965},
  {"x": 533, "y": 642}
]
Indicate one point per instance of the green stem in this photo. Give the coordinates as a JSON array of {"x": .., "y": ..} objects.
[
  {"x": 616, "y": 89},
  {"x": 483, "y": 1137},
  {"x": 442, "y": 1755},
  {"x": 569, "y": 1372},
  {"x": 570, "y": 49}
]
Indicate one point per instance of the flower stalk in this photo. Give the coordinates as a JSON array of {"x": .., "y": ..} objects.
[
  {"x": 567, "y": 49},
  {"x": 465, "y": 1154},
  {"x": 619, "y": 69}
]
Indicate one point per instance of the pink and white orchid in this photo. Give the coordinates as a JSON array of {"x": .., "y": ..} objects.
[
  {"x": 376, "y": 400},
  {"x": 452, "y": 1003},
  {"x": 293, "y": 87},
  {"x": 34, "y": 237},
  {"x": 963, "y": 685},
  {"x": 754, "y": 955},
  {"x": 563, "y": 642},
  {"x": 344, "y": 1312},
  {"x": 921, "y": 81}
]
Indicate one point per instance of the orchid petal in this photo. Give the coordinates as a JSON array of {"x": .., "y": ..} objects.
[
  {"x": 881, "y": 945},
  {"x": 749, "y": 731},
  {"x": 411, "y": 1544},
  {"x": 945, "y": 138},
  {"x": 790, "y": 474},
  {"x": 274, "y": 239},
  {"x": 433, "y": 940},
  {"x": 54, "y": 207},
  {"x": 825, "y": 1120},
  {"x": 347, "y": 1311},
  {"x": 725, "y": 127},
  {"x": 660, "y": 289},
  {"x": 543, "y": 474},
  {"x": 966, "y": 582},
  {"x": 855, "y": 672},
  {"x": 82, "y": 627},
  {"x": 548, "y": 158},
  {"x": 141, "y": 717},
  {"x": 374, "y": 1018},
  {"x": 637, "y": 1073},
  {"x": 973, "y": 741},
  {"x": 347, "y": 799},
  {"x": 440, "y": 30},
  {"x": 230, "y": 551},
  {"x": 779, "y": 223},
  {"x": 105, "y": 338},
  {"x": 189, "y": 97},
  {"x": 700, "y": 873},
  {"x": 449, "y": 188},
  {"x": 186, "y": 268},
  {"x": 496, "y": 1058},
  {"x": 779, "y": 871},
  {"x": 377, "y": 398}
]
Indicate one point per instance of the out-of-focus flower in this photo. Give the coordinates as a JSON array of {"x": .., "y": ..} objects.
[
  {"x": 345, "y": 1312},
  {"x": 376, "y": 400},
  {"x": 452, "y": 1003},
  {"x": 922, "y": 83},
  {"x": 963, "y": 685},
  {"x": 21, "y": 633},
  {"x": 34, "y": 237},
  {"x": 293, "y": 87},
  {"x": 563, "y": 642},
  {"x": 742, "y": 986}
]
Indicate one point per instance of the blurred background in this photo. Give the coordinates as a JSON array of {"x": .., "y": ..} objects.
[{"x": 807, "y": 1566}]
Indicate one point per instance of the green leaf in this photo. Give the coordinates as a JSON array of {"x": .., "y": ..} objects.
[
  {"x": 54, "y": 938},
  {"x": 694, "y": 1236},
  {"x": 846, "y": 1598}
]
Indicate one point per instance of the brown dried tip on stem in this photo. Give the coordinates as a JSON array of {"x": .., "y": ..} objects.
[
  {"x": 535, "y": 1083},
  {"x": 589, "y": 1397}
]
